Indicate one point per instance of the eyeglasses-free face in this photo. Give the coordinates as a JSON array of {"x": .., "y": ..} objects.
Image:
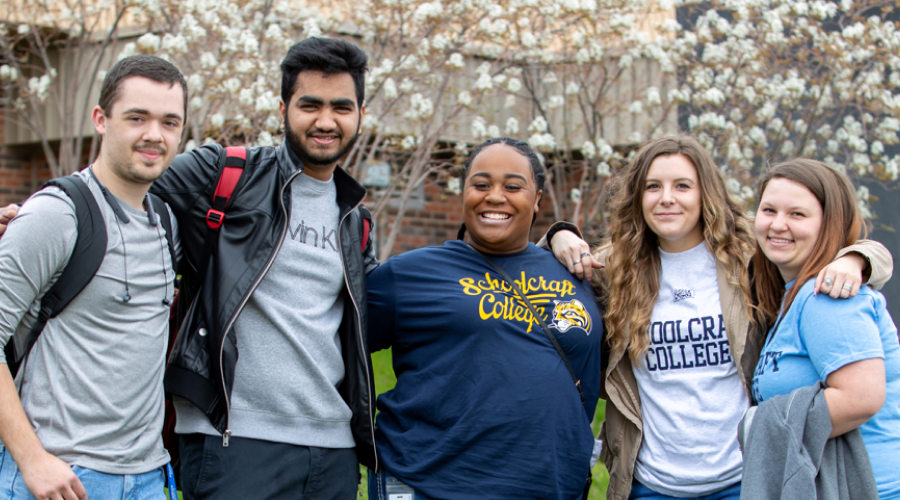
[
  {"x": 499, "y": 201},
  {"x": 671, "y": 203},
  {"x": 788, "y": 223}
]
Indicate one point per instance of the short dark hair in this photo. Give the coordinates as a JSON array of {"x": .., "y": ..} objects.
[
  {"x": 327, "y": 55},
  {"x": 151, "y": 67},
  {"x": 537, "y": 170}
]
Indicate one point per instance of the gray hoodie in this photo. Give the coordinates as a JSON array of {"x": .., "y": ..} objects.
[{"x": 787, "y": 453}]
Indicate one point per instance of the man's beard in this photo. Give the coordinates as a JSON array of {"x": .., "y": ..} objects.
[
  {"x": 304, "y": 155},
  {"x": 129, "y": 172}
]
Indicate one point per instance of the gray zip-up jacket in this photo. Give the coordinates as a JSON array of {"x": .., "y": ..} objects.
[{"x": 787, "y": 453}]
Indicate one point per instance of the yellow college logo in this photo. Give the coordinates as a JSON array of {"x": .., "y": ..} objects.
[
  {"x": 571, "y": 313},
  {"x": 499, "y": 301}
]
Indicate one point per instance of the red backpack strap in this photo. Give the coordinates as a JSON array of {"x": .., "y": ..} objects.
[
  {"x": 229, "y": 175},
  {"x": 235, "y": 159},
  {"x": 366, "y": 217}
]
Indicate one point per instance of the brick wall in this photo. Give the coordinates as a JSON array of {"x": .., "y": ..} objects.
[
  {"x": 20, "y": 175},
  {"x": 22, "y": 170},
  {"x": 438, "y": 219},
  {"x": 428, "y": 221}
]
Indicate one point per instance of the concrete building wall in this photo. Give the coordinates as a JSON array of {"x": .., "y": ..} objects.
[{"x": 887, "y": 231}]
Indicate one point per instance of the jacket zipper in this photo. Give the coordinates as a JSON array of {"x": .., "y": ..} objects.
[
  {"x": 362, "y": 344},
  {"x": 226, "y": 436}
]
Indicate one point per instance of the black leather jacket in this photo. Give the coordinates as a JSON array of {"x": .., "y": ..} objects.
[{"x": 202, "y": 364}]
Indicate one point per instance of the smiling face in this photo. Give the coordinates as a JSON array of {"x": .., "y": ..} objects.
[
  {"x": 671, "y": 203},
  {"x": 322, "y": 120},
  {"x": 499, "y": 201},
  {"x": 787, "y": 225},
  {"x": 143, "y": 129}
]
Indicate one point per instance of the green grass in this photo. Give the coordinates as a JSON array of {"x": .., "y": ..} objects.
[{"x": 385, "y": 380}]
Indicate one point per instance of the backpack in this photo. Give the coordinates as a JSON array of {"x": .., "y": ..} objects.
[
  {"x": 89, "y": 252},
  {"x": 90, "y": 249}
]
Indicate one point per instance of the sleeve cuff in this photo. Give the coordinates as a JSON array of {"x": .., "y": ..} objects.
[{"x": 561, "y": 226}]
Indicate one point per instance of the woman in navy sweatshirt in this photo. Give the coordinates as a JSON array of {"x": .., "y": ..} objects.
[{"x": 484, "y": 405}]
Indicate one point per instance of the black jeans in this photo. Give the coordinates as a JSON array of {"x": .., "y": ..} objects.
[{"x": 254, "y": 469}]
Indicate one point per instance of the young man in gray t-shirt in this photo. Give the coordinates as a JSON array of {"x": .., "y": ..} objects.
[{"x": 83, "y": 417}]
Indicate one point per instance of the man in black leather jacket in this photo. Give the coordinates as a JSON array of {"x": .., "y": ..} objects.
[{"x": 271, "y": 376}]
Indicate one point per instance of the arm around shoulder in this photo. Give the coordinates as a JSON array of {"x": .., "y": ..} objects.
[
  {"x": 555, "y": 228},
  {"x": 570, "y": 249},
  {"x": 188, "y": 176},
  {"x": 881, "y": 264},
  {"x": 6, "y": 214}
]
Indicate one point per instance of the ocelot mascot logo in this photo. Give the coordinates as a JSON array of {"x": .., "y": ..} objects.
[{"x": 570, "y": 313}]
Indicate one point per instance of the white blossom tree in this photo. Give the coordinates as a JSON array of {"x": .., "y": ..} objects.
[
  {"x": 465, "y": 71},
  {"x": 584, "y": 81},
  {"x": 763, "y": 82},
  {"x": 230, "y": 53},
  {"x": 443, "y": 76},
  {"x": 51, "y": 56}
]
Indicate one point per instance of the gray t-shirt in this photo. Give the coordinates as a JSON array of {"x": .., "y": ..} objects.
[
  {"x": 289, "y": 354},
  {"x": 92, "y": 384}
]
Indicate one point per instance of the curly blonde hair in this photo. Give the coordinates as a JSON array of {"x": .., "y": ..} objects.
[{"x": 631, "y": 286}]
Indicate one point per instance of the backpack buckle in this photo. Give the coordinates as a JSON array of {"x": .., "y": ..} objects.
[
  {"x": 214, "y": 218},
  {"x": 44, "y": 313}
]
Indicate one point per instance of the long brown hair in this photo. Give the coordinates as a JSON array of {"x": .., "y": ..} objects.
[
  {"x": 633, "y": 264},
  {"x": 841, "y": 226}
]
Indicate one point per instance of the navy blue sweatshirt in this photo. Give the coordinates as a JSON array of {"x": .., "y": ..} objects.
[{"x": 484, "y": 406}]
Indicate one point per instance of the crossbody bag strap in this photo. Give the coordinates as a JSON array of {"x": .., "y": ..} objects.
[{"x": 534, "y": 312}]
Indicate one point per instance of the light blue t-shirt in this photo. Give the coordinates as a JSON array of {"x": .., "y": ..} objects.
[{"x": 817, "y": 336}]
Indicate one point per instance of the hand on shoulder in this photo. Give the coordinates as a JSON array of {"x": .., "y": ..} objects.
[
  {"x": 6, "y": 214},
  {"x": 574, "y": 253}
]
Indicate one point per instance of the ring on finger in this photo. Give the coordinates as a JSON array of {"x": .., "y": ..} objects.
[
  {"x": 576, "y": 262},
  {"x": 829, "y": 280},
  {"x": 585, "y": 254},
  {"x": 847, "y": 287}
]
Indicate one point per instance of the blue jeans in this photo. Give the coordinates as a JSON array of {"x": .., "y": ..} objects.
[
  {"x": 146, "y": 486},
  {"x": 382, "y": 484},
  {"x": 641, "y": 492}
]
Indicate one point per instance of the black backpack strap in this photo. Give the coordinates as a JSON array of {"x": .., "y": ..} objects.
[
  {"x": 88, "y": 254},
  {"x": 162, "y": 213}
]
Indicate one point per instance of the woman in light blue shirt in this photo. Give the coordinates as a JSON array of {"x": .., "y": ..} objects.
[{"x": 807, "y": 212}]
